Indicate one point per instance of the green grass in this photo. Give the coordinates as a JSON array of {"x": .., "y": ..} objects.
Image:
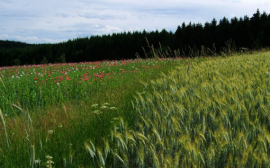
[
  {"x": 57, "y": 118},
  {"x": 201, "y": 112}
]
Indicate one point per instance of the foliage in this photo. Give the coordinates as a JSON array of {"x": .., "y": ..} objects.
[{"x": 251, "y": 33}]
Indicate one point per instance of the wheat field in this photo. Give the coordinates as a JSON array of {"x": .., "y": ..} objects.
[{"x": 213, "y": 113}]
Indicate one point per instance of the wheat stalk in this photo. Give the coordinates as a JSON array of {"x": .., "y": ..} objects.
[
  {"x": 32, "y": 156},
  {"x": 2, "y": 82},
  {"x": 4, "y": 126}
]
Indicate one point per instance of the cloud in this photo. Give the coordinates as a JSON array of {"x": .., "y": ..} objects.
[
  {"x": 58, "y": 20},
  {"x": 29, "y": 39}
]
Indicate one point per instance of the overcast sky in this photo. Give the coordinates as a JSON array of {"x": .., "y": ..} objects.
[{"x": 51, "y": 21}]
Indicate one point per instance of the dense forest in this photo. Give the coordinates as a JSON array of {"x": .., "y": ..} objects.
[{"x": 249, "y": 33}]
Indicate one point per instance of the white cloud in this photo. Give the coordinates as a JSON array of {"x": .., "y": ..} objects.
[
  {"x": 4, "y": 36},
  {"x": 58, "y": 20},
  {"x": 30, "y": 39}
]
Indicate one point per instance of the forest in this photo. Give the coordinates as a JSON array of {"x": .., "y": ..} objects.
[{"x": 249, "y": 33}]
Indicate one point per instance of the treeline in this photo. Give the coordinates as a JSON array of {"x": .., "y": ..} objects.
[{"x": 251, "y": 33}]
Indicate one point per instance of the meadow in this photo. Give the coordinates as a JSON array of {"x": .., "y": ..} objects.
[
  {"x": 199, "y": 112},
  {"x": 52, "y": 109}
]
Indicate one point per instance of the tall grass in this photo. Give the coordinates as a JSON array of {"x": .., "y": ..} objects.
[
  {"x": 56, "y": 120},
  {"x": 214, "y": 115},
  {"x": 4, "y": 126},
  {"x": 203, "y": 112}
]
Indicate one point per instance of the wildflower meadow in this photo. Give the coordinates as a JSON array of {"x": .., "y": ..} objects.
[{"x": 53, "y": 107}]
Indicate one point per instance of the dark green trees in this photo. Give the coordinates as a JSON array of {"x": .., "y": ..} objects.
[{"x": 252, "y": 33}]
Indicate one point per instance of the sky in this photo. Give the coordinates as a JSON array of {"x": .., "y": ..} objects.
[{"x": 53, "y": 21}]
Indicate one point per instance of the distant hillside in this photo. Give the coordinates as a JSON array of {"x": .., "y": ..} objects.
[{"x": 12, "y": 44}]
